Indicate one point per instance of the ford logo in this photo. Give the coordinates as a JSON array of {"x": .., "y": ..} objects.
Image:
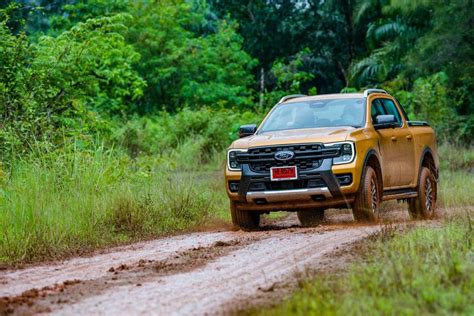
[{"x": 284, "y": 155}]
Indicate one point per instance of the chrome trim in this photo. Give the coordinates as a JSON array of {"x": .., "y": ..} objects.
[{"x": 288, "y": 195}]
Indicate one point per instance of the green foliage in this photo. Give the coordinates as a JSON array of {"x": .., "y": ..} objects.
[
  {"x": 184, "y": 68},
  {"x": 447, "y": 47},
  {"x": 417, "y": 43},
  {"x": 431, "y": 100},
  {"x": 289, "y": 78},
  {"x": 101, "y": 59},
  {"x": 49, "y": 88},
  {"x": 203, "y": 133},
  {"x": 92, "y": 63}
]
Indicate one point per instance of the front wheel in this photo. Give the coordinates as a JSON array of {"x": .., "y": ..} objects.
[
  {"x": 310, "y": 218},
  {"x": 367, "y": 200},
  {"x": 246, "y": 220},
  {"x": 424, "y": 206}
]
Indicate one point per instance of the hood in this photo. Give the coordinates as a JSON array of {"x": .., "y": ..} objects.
[{"x": 295, "y": 136}]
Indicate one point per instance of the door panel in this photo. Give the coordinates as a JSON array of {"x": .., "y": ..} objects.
[
  {"x": 404, "y": 144},
  {"x": 388, "y": 148}
]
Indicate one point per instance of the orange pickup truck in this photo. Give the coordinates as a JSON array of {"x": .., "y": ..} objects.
[{"x": 312, "y": 153}]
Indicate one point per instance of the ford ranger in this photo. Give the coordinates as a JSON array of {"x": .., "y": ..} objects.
[{"x": 312, "y": 153}]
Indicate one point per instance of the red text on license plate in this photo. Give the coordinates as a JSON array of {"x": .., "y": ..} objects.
[{"x": 283, "y": 173}]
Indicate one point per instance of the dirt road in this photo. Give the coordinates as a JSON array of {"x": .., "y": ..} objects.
[{"x": 193, "y": 274}]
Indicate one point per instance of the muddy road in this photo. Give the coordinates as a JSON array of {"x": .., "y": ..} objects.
[{"x": 194, "y": 274}]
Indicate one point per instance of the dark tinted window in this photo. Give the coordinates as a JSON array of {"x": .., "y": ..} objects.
[
  {"x": 384, "y": 107},
  {"x": 376, "y": 109},
  {"x": 391, "y": 108}
]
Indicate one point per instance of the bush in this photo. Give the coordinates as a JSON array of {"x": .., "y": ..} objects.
[
  {"x": 48, "y": 88},
  {"x": 197, "y": 134}
]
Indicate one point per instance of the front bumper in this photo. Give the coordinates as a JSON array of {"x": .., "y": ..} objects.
[{"x": 328, "y": 193}]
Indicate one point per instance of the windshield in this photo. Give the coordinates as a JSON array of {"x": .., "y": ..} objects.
[{"x": 316, "y": 113}]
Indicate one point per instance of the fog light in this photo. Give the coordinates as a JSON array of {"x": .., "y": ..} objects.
[
  {"x": 234, "y": 186},
  {"x": 344, "y": 179}
]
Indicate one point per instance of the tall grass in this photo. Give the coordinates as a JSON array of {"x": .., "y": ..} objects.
[
  {"x": 457, "y": 176},
  {"x": 67, "y": 202}
]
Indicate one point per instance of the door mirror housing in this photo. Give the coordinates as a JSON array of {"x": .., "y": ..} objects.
[
  {"x": 385, "y": 121},
  {"x": 247, "y": 130}
]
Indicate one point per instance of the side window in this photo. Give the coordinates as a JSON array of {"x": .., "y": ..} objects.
[
  {"x": 391, "y": 108},
  {"x": 376, "y": 109}
]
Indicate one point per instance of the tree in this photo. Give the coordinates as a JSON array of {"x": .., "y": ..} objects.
[
  {"x": 59, "y": 86},
  {"x": 183, "y": 68}
]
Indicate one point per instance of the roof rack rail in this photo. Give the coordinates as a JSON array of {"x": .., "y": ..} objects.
[
  {"x": 291, "y": 96},
  {"x": 369, "y": 91}
]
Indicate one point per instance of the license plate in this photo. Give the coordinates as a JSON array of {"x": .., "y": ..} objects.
[{"x": 283, "y": 173}]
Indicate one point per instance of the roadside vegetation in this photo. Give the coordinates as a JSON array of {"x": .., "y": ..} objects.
[
  {"x": 115, "y": 115},
  {"x": 73, "y": 202},
  {"x": 425, "y": 270},
  {"x": 54, "y": 204}
]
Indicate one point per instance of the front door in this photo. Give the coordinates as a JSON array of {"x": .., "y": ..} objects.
[
  {"x": 388, "y": 148},
  {"x": 404, "y": 144}
]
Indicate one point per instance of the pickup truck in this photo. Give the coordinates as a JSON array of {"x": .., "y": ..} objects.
[{"x": 312, "y": 153}]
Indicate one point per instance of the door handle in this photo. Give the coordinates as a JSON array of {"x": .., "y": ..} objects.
[
  {"x": 394, "y": 139},
  {"x": 409, "y": 137}
]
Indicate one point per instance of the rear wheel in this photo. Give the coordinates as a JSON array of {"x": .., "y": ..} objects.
[
  {"x": 367, "y": 200},
  {"x": 246, "y": 220},
  {"x": 424, "y": 206},
  {"x": 309, "y": 218}
]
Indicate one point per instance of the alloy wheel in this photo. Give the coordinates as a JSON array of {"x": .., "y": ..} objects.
[
  {"x": 428, "y": 195},
  {"x": 373, "y": 194}
]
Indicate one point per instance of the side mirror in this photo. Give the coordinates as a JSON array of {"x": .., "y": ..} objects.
[
  {"x": 247, "y": 130},
  {"x": 385, "y": 121}
]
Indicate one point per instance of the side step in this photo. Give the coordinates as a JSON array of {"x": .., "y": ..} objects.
[{"x": 399, "y": 194}]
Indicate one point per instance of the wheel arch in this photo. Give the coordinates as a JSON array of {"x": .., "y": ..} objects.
[
  {"x": 427, "y": 160},
  {"x": 372, "y": 160}
]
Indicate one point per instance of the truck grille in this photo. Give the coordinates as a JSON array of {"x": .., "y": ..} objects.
[{"x": 307, "y": 157}]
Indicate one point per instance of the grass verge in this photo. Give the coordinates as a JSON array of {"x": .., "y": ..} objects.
[
  {"x": 72, "y": 202},
  {"x": 427, "y": 270}
]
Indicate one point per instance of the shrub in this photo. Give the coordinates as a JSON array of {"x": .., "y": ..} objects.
[
  {"x": 197, "y": 134},
  {"x": 47, "y": 89}
]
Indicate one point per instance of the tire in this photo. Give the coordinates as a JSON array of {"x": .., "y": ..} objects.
[
  {"x": 310, "y": 218},
  {"x": 367, "y": 201},
  {"x": 424, "y": 206},
  {"x": 245, "y": 220}
]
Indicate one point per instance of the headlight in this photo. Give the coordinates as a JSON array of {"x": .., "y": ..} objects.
[
  {"x": 347, "y": 152},
  {"x": 232, "y": 163}
]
